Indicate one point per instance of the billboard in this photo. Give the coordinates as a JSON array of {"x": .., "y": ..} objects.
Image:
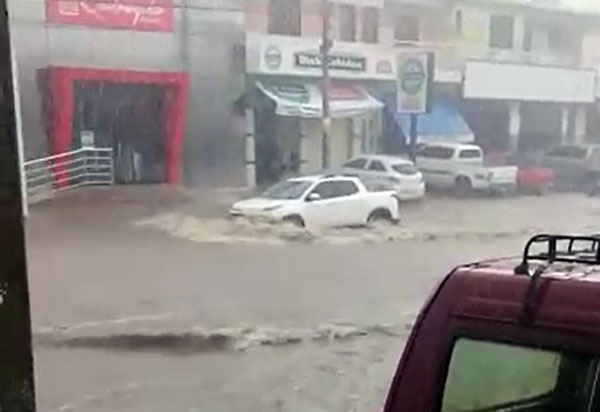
[
  {"x": 414, "y": 80},
  {"x": 511, "y": 81},
  {"x": 152, "y": 15}
]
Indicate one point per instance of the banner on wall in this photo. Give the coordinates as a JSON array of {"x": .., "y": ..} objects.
[{"x": 152, "y": 15}]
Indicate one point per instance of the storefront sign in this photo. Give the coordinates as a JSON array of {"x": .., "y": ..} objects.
[
  {"x": 87, "y": 138},
  {"x": 154, "y": 15},
  {"x": 273, "y": 57},
  {"x": 336, "y": 62},
  {"x": 414, "y": 71},
  {"x": 291, "y": 56},
  {"x": 297, "y": 93}
]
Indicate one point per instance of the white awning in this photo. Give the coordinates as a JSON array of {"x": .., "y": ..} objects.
[{"x": 299, "y": 99}]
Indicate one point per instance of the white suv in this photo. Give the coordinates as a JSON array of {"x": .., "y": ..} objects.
[{"x": 325, "y": 200}]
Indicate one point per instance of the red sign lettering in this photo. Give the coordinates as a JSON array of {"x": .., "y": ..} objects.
[{"x": 154, "y": 15}]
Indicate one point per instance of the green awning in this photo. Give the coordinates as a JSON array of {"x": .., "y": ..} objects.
[{"x": 299, "y": 99}]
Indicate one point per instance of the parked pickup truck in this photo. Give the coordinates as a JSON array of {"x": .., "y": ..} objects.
[
  {"x": 322, "y": 200},
  {"x": 460, "y": 167},
  {"x": 519, "y": 335}
]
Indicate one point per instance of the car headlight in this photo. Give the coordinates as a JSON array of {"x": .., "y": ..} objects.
[{"x": 271, "y": 208}]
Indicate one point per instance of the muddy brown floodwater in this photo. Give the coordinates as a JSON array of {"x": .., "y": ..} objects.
[{"x": 151, "y": 301}]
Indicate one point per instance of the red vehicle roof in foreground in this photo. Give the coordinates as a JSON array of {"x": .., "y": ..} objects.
[{"x": 548, "y": 298}]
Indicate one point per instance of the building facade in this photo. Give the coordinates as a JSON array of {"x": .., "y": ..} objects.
[
  {"x": 520, "y": 73},
  {"x": 155, "y": 80},
  {"x": 283, "y": 82}
]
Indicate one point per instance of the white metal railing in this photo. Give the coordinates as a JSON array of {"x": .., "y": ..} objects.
[{"x": 82, "y": 167}]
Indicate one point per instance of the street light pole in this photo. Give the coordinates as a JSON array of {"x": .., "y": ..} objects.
[{"x": 325, "y": 81}]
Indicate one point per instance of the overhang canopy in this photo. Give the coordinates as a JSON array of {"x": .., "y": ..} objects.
[{"x": 303, "y": 99}]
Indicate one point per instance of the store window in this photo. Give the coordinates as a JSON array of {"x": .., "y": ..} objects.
[
  {"x": 347, "y": 22},
  {"x": 370, "y": 25},
  {"x": 407, "y": 29},
  {"x": 285, "y": 17},
  {"x": 489, "y": 376},
  {"x": 501, "y": 31}
]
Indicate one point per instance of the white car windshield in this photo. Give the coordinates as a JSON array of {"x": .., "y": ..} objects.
[{"x": 287, "y": 190}]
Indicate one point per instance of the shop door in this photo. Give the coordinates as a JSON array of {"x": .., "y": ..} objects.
[
  {"x": 340, "y": 141},
  {"x": 277, "y": 147},
  {"x": 129, "y": 118}
]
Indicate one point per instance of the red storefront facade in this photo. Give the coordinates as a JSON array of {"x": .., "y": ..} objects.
[{"x": 61, "y": 90}]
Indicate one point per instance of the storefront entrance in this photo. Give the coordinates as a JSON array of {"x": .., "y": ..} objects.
[
  {"x": 129, "y": 118},
  {"x": 141, "y": 115}
]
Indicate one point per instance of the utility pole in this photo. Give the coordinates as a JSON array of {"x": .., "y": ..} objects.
[{"x": 326, "y": 45}]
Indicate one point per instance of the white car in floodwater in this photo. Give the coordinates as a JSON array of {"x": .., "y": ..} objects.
[
  {"x": 323, "y": 200},
  {"x": 399, "y": 173}
]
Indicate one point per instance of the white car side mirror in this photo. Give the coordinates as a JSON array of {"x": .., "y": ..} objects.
[{"x": 313, "y": 197}]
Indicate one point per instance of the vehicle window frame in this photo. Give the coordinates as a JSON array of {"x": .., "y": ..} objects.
[
  {"x": 328, "y": 197},
  {"x": 572, "y": 152},
  {"x": 558, "y": 345},
  {"x": 471, "y": 150},
  {"x": 413, "y": 168},
  {"x": 450, "y": 152},
  {"x": 363, "y": 159}
]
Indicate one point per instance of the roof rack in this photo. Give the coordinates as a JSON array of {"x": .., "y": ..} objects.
[
  {"x": 560, "y": 248},
  {"x": 555, "y": 248}
]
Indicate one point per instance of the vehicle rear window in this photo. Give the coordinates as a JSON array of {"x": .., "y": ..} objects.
[
  {"x": 488, "y": 376},
  {"x": 436, "y": 152},
  {"x": 356, "y": 163},
  {"x": 469, "y": 154},
  {"x": 376, "y": 166},
  {"x": 405, "y": 169}
]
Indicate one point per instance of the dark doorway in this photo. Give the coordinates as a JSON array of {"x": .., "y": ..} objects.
[{"x": 128, "y": 117}]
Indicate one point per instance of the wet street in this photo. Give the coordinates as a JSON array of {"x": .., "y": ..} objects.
[{"x": 152, "y": 301}]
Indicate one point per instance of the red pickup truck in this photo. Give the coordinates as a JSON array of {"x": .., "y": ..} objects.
[{"x": 509, "y": 335}]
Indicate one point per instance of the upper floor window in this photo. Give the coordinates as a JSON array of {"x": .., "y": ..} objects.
[
  {"x": 407, "y": 28},
  {"x": 501, "y": 31},
  {"x": 527, "y": 37},
  {"x": 347, "y": 22},
  {"x": 285, "y": 17},
  {"x": 458, "y": 21},
  {"x": 370, "y": 25},
  {"x": 564, "y": 40}
]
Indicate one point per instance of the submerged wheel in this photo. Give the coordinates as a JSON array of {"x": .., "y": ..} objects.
[
  {"x": 295, "y": 220},
  {"x": 462, "y": 186},
  {"x": 380, "y": 215}
]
